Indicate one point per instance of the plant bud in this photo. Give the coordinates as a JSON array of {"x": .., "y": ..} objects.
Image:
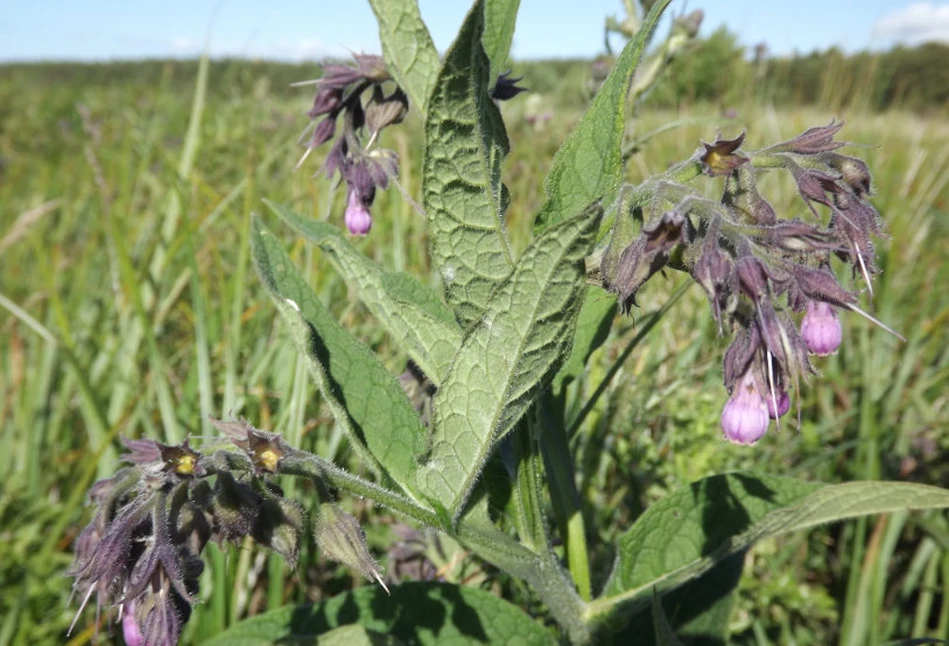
[
  {"x": 323, "y": 132},
  {"x": 745, "y": 417},
  {"x": 784, "y": 405},
  {"x": 234, "y": 507},
  {"x": 386, "y": 111},
  {"x": 357, "y": 217},
  {"x": 506, "y": 88},
  {"x": 712, "y": 271},
  {"x": 648, "y": 254},
  {"x": 820, "y": 328},
  {"x": 341, "y": 539},
  {"x": 812, "y": 141},
  {"x": 372, "y": 67},
  {"x": 279, "y": 527},
  {"x": 130, "y": 628},
  {"x": 853, "y": 170}
]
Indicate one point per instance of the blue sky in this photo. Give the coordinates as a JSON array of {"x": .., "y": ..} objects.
[{"x": 298, "y": 30}]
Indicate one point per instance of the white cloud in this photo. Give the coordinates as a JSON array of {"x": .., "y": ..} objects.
[{"x": 918, "y": 23}]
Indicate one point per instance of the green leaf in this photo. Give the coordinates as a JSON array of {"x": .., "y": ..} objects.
[
  {"x": 663, "y": 633},
  {"x": 507, "y": 358},
  {"x": 363, "y": 396},
  {"x": 413, "y": 314},
  {"x": 351, "y": 635},
  {"x": 500, "y": 16},
  {"x": 461, "y": 176},
  {"x": 589, "y": 164},
  {"x": 689, "y": 531},
  {"x": 408, "y": 49},
  {"x": 698, "y": 612},
  {"x": 593, "y": 327},
  {"x": 416, "y": 613}
]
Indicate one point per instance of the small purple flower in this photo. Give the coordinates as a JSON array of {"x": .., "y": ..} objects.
[
  {"x": 506, "y": 88},
  {"x": 358, "y": 219},
  {"x": 348, "y": 117},
  {"x": 784, "y": 405},
  {"x": 820, "y": 328},
  {"x": 130, "y": 629},
  {"x": 745, "y": 416}
]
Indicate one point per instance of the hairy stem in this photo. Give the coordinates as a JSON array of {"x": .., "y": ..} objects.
[{"x": 567, "y": 504}]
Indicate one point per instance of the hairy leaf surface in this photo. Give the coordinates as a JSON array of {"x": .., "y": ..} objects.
[
  {"x": 416, "y": 613},
  {"x": 589, "y": 165},
  {"x": 506, "y": 358},
  {"x": 461, "y": 176},
  {"x": 689, "y": 531},
  {"x": 408, "y": 49},
  {"x": 500, "y": 16},
  {"x": 362, "y": 395},
  {"x": 412, "y": 313}
]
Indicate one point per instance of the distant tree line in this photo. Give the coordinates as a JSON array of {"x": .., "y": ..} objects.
[{"x": 718, "y": 70}]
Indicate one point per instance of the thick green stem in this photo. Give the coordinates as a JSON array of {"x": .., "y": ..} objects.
[
  {"x": 530, "y": 515},
  {"x": 567, "y": 504},
  {"x": 542, "y": 572},
  {"x": 313, "y": 466}
]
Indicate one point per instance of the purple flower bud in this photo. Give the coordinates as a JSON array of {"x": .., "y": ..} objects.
[
  {"x": 820, "y": 328},
  {"x": 130, "y": 629},
  {"x": 745, "y": 416},
  {"x": 647, "y": 255},
  {"x": 358, "y": 219},
  {"x": 784, "y": 405},
  {"x": 327, "y": 100},
  {"x": 323, "y": 132},
  {"x": 812, "y": 141},
  {"x": 506, "y": 88}
]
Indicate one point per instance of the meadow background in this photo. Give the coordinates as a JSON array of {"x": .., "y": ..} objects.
[{"x": 129, "y": 307}]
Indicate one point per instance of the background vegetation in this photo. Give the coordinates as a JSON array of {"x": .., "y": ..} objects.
[{"x": 129, "y": 308}]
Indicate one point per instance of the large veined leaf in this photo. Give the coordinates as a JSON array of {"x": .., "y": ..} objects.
[
  {"x": 413, "y": 314},
  {"x": 589, "y": 165},
  {"x": 698, "y": 612},
  {"x": 689, "y": 531},
  {"x": 465, "y": 145},
  {"x": 363, "y": 396},
  {"x": 352, "y": 635},
  {"x": 500, "y": 16},
  {"x": 506, "y": 358},
  {"x": 407, "y": 47},
  {"x": 416, "y": 613}
]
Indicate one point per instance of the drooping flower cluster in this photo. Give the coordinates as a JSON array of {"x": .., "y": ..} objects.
[
  {"x": 364, "y": 168},
  {"x": 758, "y": 270},
  {"x": 142, "y": 550},
  {"x": 340, "y": 98}
]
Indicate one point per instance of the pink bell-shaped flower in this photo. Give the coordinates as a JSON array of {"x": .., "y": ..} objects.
[
  {"x": 820, "y": 328},
  {"x": 745, "y": 417},
  {"x": 357, "y": 217}
]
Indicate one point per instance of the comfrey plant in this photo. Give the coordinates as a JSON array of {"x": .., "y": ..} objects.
[{"x": 473, "y": 442}]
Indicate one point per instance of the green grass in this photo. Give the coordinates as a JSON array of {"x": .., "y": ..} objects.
[{"x": 128, "y": 307}]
